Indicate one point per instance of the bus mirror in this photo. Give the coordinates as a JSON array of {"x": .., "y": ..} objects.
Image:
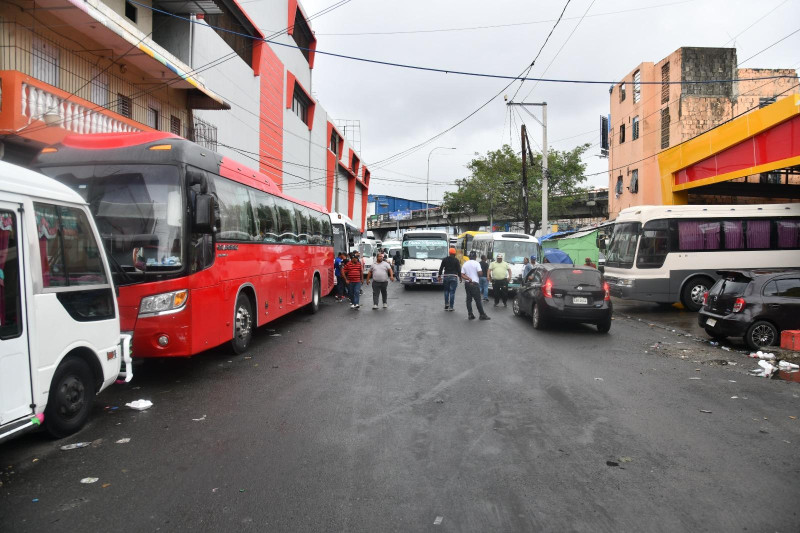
[
  {"x": 197, "y": 177},
  {"x": 203, "y": 221}
]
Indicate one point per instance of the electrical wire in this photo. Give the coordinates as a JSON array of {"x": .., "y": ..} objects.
[
  {"x": 768, "y": 47},
  {"x": 762, "y": 17}
]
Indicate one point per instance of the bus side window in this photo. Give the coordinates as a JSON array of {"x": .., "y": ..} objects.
[
  {"x": 236, "y": 211},
  {"x": 265, "y": 216},
  {"x": 286, "y": 219},
  {"x": 10, "y": 310},
  {"x": 302, "y": 224},
  {"x": 653, "y": 244}
]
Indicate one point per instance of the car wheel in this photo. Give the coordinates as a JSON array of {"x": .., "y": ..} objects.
[
  {"x": 313, "y": 307},
  {"x": 604, "y": 326},
  {"x": 515, "y": 307},
  {"x": 70, "y": 400},
  {"x": 692, "y": 293},
  {"x": 716, "y": 336},
  {"x": 537, "y": 321},
  {"x": 242, "y": 324},
  {"x": 760, "y": 335}
]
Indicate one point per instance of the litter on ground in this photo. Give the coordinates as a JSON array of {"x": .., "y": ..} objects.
[
  {"x": 88, "y": 480},
  {"x": 125, "y": 440},
  {"x": 75, "y": 446},
  {"x": 140, "y": 405}
]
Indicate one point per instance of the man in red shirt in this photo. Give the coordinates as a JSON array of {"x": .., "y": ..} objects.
[{"x": 353, "y": 273}]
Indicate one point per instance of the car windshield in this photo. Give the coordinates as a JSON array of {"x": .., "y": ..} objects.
[
  {"x": 572, "y": 278},
  {"x": 139, "y": 213},
  {"x": 622, "y": 247},
  {"x": 515, "y": 251},
  {"x": 421, "y": 248}
]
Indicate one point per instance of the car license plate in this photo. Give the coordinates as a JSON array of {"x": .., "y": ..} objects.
[
  {"x": 424, "y": 281},
  {"x": 580, "y": 300},
  {"x": 711, "y": 322}
]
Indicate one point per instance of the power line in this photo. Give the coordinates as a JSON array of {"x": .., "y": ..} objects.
[
  {"x": 768, "y": 47},
  {"x": 733, "y": 39}
]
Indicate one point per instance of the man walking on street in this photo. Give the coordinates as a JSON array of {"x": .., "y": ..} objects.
[
  {"x": 337, "y": 269},
  {"x": 484, "y": 283},
  {"x": 470, "y": 273},
  {"x": 353, "y": 272},
  {"x": 452, "y": 272},
  {"x": 500, "y": 275},
  {"x": 379, "y": 273}
]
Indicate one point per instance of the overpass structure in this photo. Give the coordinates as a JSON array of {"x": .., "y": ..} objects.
[{"x": 588, "y": 205}]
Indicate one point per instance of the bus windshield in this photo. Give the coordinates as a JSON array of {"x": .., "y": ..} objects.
[
  {"x": 515, "y": 251},
  {"x": 622, "y": 247},
  {"x": 139, "y": 213},
  {"x": 339, "y": 239},
  {"x": 425, "y": 248}
]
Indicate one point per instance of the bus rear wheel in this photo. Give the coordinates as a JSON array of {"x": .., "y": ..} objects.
[
  {"x": 313, "y": 307},
  {"x": 242, "y": 324},
  {"x": 692, "y": 293},
  {"x": 70, "y": 400}
]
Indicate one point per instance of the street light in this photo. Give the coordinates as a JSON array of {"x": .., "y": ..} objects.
[{"x": 428, "y": 179}]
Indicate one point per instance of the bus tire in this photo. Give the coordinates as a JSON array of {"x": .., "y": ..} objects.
[
  {"x": 242, "y": 324},
  {"x": 692, "y": 293},
  {"x": 313, "y": 307},
  {"x": 72, "y": 393}
]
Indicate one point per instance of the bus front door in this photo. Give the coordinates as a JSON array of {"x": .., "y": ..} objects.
[{"x": 16, "y": 397}]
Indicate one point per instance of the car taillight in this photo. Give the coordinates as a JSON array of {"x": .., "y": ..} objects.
[
  {"x": 547, "y": 288},
  {"x": 705, "y": 298},
  {"x": 607, "y": 296},
  {"x": 738, "y": 305}
]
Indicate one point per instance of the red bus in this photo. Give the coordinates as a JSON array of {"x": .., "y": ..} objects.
[{"x": 203, "y": 249}]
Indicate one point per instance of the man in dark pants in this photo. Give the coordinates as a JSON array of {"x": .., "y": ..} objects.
[
  {"x": 500, "y": 275},
  {"x": 470, "y": 273},
  {"x": 337, "y": 269},
  {"x": 451, "y": 267},
  {"x": 380, "y": 273}
]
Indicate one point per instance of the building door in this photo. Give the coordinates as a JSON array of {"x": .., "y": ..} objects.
[{"x": 16, "y": 396}]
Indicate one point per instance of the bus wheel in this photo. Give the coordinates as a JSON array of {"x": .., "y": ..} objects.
[
  {"x": 71, "y": 395},
  {"x": 313, "y": 307},
  {"x": 242, "y": 324},
  {"x": 692, "y": 294}
]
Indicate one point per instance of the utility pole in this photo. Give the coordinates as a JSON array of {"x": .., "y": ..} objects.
[
  {"x": 525, "y": 218},
  {"x": 543, "y": 123}
]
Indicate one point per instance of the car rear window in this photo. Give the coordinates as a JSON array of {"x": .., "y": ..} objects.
[
  {"x": 574, "y": 277},
  {"x": 731, "y": 286}
]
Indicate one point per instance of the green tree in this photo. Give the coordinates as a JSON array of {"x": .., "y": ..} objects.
[{"x": 495, "y": 184}]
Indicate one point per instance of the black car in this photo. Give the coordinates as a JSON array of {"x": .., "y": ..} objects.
[
  {"x": 753, "y": 304},
  {"x": 565, "y": 292}
]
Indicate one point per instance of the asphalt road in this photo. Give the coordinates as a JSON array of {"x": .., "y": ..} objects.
[{"x": 413, "y": 419}]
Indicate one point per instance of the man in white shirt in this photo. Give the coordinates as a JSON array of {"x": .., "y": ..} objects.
[{"x": 470, "y": 272}]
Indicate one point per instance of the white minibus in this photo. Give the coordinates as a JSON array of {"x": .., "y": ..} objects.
[
  {"x": 60, "y": 341},
  {"x": 515, "y": 247},
  {"x": 672, "y": 253},
  {"x": 423, "y": 251}
]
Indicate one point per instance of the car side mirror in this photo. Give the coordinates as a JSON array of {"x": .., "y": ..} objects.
[{"x": 203, "y": 217}]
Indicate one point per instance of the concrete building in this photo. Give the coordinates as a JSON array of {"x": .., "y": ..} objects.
[
  {"x": 650, "y": 116},
  {"x": 200, "y": 69}
]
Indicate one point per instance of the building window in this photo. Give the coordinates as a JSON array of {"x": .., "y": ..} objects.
[
  {"x": 174, "y": 125},
  {"x": 635, "y": 127},
  {"x": 302, "y": 34},
  {"x": 152, "y": 118},
  {"x": 124, "y": 105},
  {"x": 130, "y": 11},
  {"x": 45, "y": 61},
  {"x": 334, "y": 147},
  {"x": 634, "y": 186},
  {"x": 622, "y": 91},
  {"x": 637, "y": 86},
  {"x": 665, "y": 128},
  {"x": 300, "y": 105},
  {"x": 100, "y": 88},
  {"x": 621, "y": 133},
  {"x": 204, "y": 134},
  {"x": 665, "y": 83},
  {"x": 618, "y": 188}
]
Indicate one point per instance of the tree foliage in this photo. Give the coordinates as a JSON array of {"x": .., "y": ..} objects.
[{"x": 495, "y": 184}]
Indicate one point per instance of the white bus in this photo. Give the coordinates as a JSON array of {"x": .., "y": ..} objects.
[
  {"x": 368, "y": 249},
  {"x": 668, "y": 254},
  {"x": 60, "y": 341},
  {"x": 345, "y": 234},
  {"x": 423, "y": 251},
  {"x": 515, "y": 247}
]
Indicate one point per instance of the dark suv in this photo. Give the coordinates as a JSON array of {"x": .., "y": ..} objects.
[
  {"x": 754, "y": 304},
  {"x": 565, "y": 292}
]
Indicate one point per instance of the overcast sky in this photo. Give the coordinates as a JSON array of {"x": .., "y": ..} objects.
[{"x": 399, "y": 108}]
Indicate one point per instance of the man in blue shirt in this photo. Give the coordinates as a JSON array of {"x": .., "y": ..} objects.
[{"x": 337, "y": 270}]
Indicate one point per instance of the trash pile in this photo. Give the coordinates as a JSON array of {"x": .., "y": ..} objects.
[{"x": 766, "y": 368}]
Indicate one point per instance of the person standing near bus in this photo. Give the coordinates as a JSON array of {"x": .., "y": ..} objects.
[
  {"x": 470, "y": 273},
  {"x": 337, "y": 270},
  {"x": 500, "y": 275},
  {"x": 451, "y": 267},
  {"x": 484, "y": 283},
  {"x": 353, "y": 272},
  {"x": 380, "y": 273}
]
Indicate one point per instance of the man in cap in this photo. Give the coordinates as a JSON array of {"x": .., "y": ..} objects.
[
  {"x": 470, "y": 273},
  {"x": 500, "y": 275},
  {"x": 451, "y": 267}
]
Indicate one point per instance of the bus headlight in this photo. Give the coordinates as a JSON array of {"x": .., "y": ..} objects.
[{"x": 167, "y": 302}]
